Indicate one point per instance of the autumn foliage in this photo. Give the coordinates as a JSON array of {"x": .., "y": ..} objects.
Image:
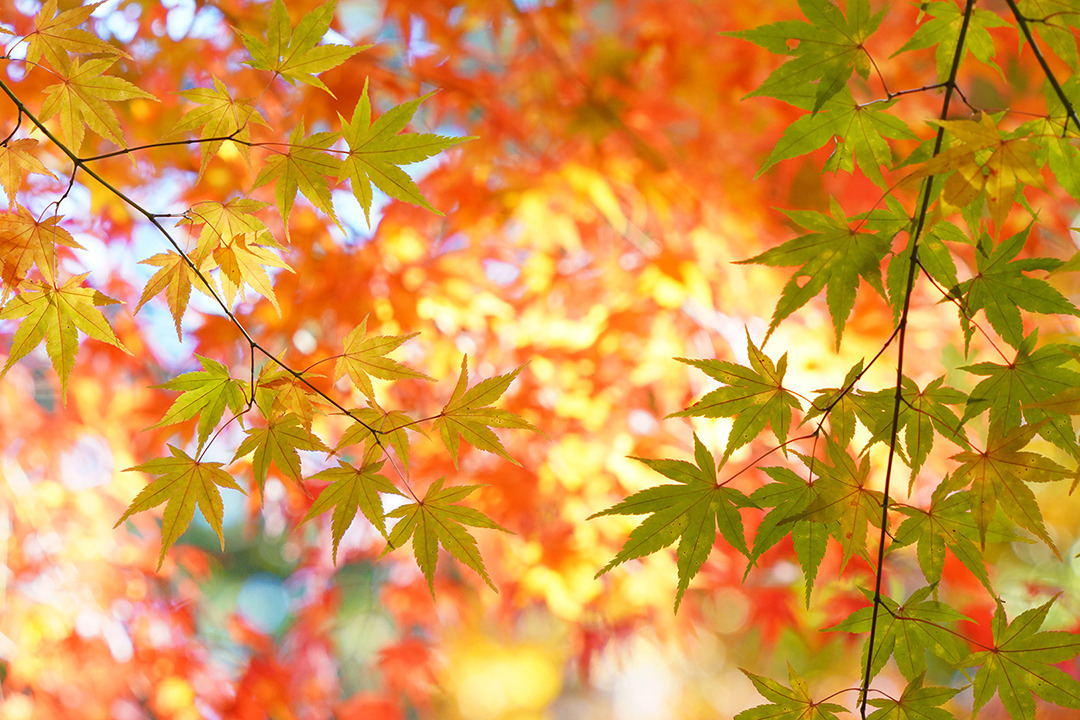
[{"x": 385, "y": 360}]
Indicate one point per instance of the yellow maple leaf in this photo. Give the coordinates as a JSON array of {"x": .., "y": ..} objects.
[
  {"x": 176, "y": 278},
  {"x": 303, "y": 166},
  {"x": 56, "y": 34},
  {"x": 55, "y": 314},
  {"x": 220, "y": 115},
  {"x": 184, "y": 482},
  {"x": 295, "y": 54},
  {"x": 223, "y": 221},
  {"x": 81, "y": 99},
  {"x": 243, "y": 262},
  {"x": 17, "y": 159},
  {"x": 25, "y": 241},
  {"x": 986, "y": 160}
]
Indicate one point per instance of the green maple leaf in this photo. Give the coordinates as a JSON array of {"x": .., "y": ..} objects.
[
  {"x": 690, "y": 511},
  {"x": 833, "y": 256},
  {"x": 1055, "y": 27},
  {"x": 999, "y": 475},
  {"x": 826, "y": 51},
  {"x": 351, "y": 489},
  {"x": 1000, "y": 288},
  {"x": 439, "y": 520},
  {"x": 184, "y": 482},
  {"x": 377, "y": 149},
  {"x": 303, "y": 166},
  {"x": 1021, "y": 662},
  {"x": 1013, "y": 392},
  {"x": 278, "y": 442},
  {"x": 295, "y": 53},
  {"x": 790, "y": 496},
  {"x": 55, "y": 314},
  {"x": 907, "y": 632},
  {"x": 789, "y": 702},
  {"x": 365, "y": 358},
  {"x": 205, "y": 393},
  {"x": 842, "y": 499},
  {"x": 467, "y": 415},
  {"x": 755, "y": 396},
  {"x": 841, "y": 408},
  {"x": 924, "y": 415},
  {"x": 916, "y": 703},
  {"x": 943, "y": 30},
  {"x": 859, "y": 131},
  {"x": 946, "y": 524}
]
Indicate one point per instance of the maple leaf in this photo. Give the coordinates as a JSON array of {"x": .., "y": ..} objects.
[
  {"x": 755, "y": 396},
  {"x": 243, "y": 262},
  {"x": 860, "y": 131},
  {"x": 390, "y": 426},
  {"x": 998, "y": 476},
  {"x": 826, "y": 51},
  {"x": 220, "y": 115},
  {"x": 1014, "y": 391},
  {"x": 184, "y": 482},
  {"x": 467, "y": 415},
  {"x": 790, "y": 496},
  {"x": 58, "y": 33},
  {"x": 349, "y": 490},
  {"x": 842, "y": 499},
  {"x": 834, "y": 255},
  {"x": 16, "y": 159},
  {"x": 1021, "y": 662},
  {"x": 984, "y": 159},
  {"x": 1054, "y": 28},
  {"x": 946, "y": 523},
  {"x": 25, "y": 241},
  {"x": 438, "y": 519},
  {"x": 204, "y": 393},
  {"x": 56, "y": 314},
  {"x": 690, "y": 511},
  {"x": 295, "y": 53},
  {"x": 221, "y": 222},
  {"x": 916, "y": 703},
  {"x": 377, "y": 149},
  {"x": 789, "y": 702},
  {"x": 279, "y": 392},
  {"x": 1001, "y": 289},
  {"x": 176, "y": 278},
  {"x": 305, "y": 167},
  {"x": 81, "y": 100},
  {"x": 278, "y": 442},
  {"x": 907, "y": 632},
  {"x": 943, "y": 29},
  {"x": 365, "y": 358}
]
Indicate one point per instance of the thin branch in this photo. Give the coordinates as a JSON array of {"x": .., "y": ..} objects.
[
  {"x": 1021, "y": 21},
  {"x": 913, "y": 246}
]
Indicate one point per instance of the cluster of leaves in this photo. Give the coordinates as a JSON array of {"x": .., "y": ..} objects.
[
  {"x": 232, "y": 248},
  {"x": 955, "y": 224}
]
